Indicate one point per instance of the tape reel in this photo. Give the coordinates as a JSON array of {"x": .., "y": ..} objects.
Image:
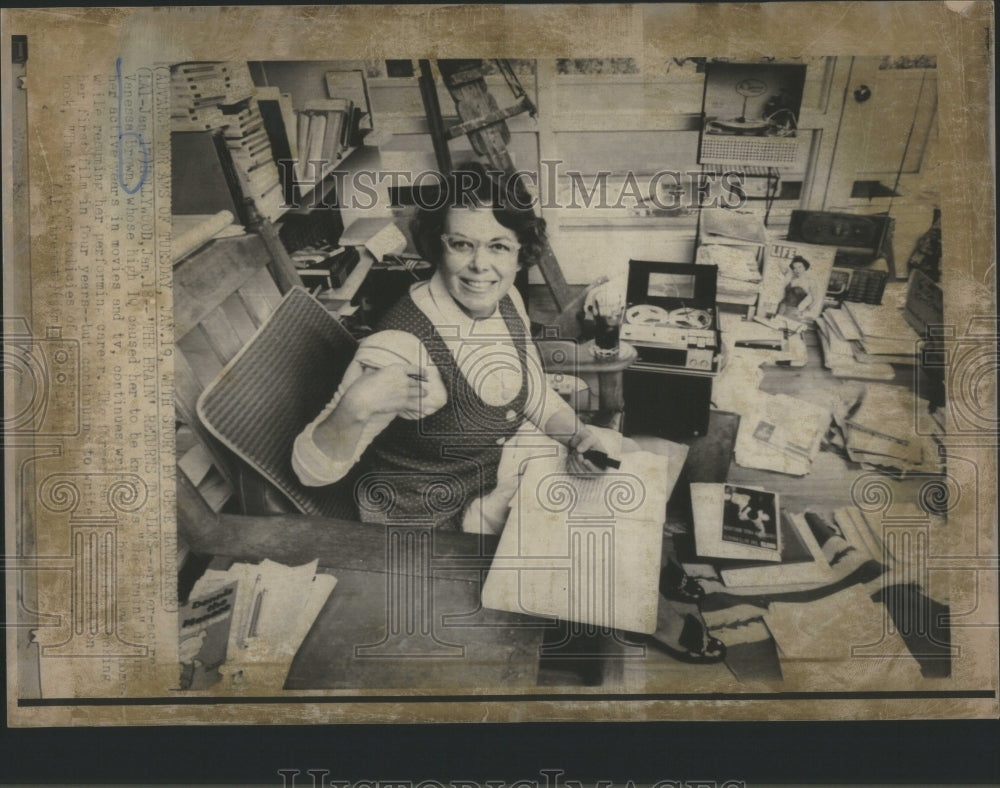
[
  {"x": 647, "y": 314},
  {"x": 685, "y": 317}
]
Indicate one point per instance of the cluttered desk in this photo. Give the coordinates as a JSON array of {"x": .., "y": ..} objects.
[
  {"x": 406, "y": 612},
  {"x": 760, "y": 496}
]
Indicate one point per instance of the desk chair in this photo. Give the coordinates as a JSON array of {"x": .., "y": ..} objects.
[{"x": 268, "y": 393}]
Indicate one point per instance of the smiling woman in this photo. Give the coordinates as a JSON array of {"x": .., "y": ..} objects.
[{"x": 440, "y": 402}]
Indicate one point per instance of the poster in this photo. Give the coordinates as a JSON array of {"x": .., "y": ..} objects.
[{"x": 93, "y": 307}]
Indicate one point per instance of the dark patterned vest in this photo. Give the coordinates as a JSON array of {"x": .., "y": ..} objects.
[{"x": 426, "y": 471}]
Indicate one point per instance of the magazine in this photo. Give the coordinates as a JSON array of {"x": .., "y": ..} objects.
[{"x": 732, "y": 521}]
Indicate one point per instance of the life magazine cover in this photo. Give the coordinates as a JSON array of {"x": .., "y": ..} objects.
[{"x": 359, "y": 362}]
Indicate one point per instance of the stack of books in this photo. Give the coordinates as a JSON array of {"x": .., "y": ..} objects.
[
  {"x": 199, "y": 90},
  {"x": 221, "y": 97},
  {"x": 325, "y": 129},
  {"x": 251, "y": 151},
  {"x": 281, "y": 125}
]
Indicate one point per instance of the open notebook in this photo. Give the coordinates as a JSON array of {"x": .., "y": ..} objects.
[{"x": 584, "y": 548}]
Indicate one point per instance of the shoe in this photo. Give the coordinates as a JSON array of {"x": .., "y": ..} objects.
[
  {"x": 677, "y": 585},
  {"x": 699, "y": 648}
]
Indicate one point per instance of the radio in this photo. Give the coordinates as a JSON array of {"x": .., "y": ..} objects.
[{"x": 860, "y": 240}]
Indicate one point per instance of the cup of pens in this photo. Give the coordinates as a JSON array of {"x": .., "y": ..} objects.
[{"x": 607, "y": 310}]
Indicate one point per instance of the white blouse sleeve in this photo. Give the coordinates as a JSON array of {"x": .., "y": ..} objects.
[{"x": 313, "y": 467}]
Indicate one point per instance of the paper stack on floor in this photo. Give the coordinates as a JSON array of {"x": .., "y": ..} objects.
[
  {"x": 734, "y": 241},
  {"x": 884, "y": 336},
  {"x": 838, "y": 335},
  {"x": 816, "y": 551},
  {"x": 891, "y": 428},
  {"x": 781, "y": 433},
  {"x": 739, "y": 270},
  {"x": 267, "y": 609}
]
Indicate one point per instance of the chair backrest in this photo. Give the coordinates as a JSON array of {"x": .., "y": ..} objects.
[
  {"x": 273, "y": 387},
  {"x": 223, "y": 293}
]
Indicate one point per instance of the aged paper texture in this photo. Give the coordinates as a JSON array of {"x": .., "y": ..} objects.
[{"x": 117, "y": 496}]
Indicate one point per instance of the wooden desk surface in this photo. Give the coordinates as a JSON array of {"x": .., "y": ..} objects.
[{"x": 405, "y": 613}]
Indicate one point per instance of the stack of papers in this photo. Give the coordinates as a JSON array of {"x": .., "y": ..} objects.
[
  {"x": 739, "y": 269},
  {"x": 733, "y": 240},
  {"x": 883, "y": 335},
  {"x": 781, "y": 434},
  {"x": 266, "y": 610},
  {"x": 891, "y": 428},
  {"x": 840, "y": 338},
  {"x": 584, "y": 547}
]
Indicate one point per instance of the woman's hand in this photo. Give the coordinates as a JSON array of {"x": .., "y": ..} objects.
[
  {"x": 392, "y": 389},
  {"x": 582, "y": 441}
]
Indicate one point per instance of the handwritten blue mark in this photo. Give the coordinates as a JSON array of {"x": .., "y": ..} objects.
[{"x": 126, "y": 135}]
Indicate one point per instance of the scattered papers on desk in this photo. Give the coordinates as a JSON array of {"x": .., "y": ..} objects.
[
  {"x": 584, "y": 548},
  {"x": 781, "y": 433},
  {"x": 890, "y": 428},
  {"x": 271, "y": 608},
  {"x": 732, "y": 521},
  {"x": 763, "y": 341}
]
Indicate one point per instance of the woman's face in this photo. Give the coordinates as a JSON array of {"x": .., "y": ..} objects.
[
  {"x": 481, "y": 268},
  {"x": 798, "y": 269}
]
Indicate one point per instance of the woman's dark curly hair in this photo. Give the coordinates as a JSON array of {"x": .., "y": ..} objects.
[{"x": 474, "y": 186}]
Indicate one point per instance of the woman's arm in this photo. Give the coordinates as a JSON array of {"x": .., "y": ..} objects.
[
  {"x": 565, "y": 427},
  {"x": 329, "y": 447}
]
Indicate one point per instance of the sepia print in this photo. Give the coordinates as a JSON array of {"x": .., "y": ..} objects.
[{"x": 431, "y": 363}]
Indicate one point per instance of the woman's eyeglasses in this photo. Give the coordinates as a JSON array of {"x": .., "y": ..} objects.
[{"x": 465, "y": 248}]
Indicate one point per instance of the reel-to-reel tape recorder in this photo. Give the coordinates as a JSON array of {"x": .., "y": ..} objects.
[
  {"x": 687, "y": 330},
  {"x": 671, "y": 321},
  {"x": 670, "y": 317}
]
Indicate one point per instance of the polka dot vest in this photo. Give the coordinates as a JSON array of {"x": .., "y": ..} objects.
[{"x": 426, "y": 471}]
